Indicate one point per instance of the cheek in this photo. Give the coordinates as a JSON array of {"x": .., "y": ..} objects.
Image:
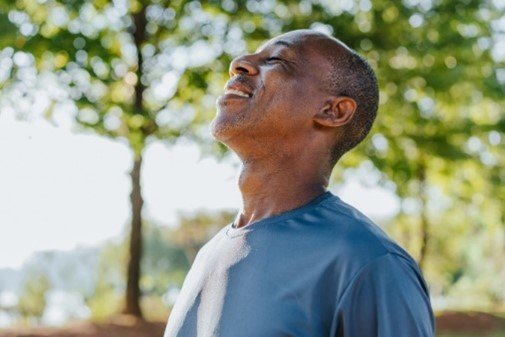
[
  {"x": 292, "y": 99},
  {"x": 277, "y": 92},
  {"x": 286, "y": 99}
]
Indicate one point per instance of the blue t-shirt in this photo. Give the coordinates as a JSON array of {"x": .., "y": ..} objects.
[{"x": 323, "y": 269}]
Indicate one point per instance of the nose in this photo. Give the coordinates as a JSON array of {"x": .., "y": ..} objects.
[{"x": 243, "y": 65}]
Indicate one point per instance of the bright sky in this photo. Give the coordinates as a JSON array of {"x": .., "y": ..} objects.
[{"x": 60, "y": 189}]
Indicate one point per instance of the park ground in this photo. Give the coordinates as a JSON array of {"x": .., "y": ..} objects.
[{"x": 449, "y": 324}]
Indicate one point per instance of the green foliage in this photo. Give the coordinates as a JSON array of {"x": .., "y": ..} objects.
[
  {"x": 154, "y": 308},
  {"x": 166, "y": 260},
  {"x": 164, "y": 263},
  {"x": 32, "y": 301},
  {"x": 195, "y": 230},
  {"x": 104, "y": 305},
  {"x": 106, "y": 298},
  {"x": 437, "y": 142}
]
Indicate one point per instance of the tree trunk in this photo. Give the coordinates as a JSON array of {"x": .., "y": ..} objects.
[
  {"x": 132, "y": 305},
  {"x": 425, "y": 234},
  {"x": 132, "y": 300}
]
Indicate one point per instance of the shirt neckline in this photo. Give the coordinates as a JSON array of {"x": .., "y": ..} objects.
[{"x": 233, "y": 231}]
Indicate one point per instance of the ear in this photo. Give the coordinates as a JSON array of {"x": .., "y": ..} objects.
[{"x": 337, "y": 111}]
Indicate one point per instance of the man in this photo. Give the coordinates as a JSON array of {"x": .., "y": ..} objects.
[{"x": 298, "y": 261}]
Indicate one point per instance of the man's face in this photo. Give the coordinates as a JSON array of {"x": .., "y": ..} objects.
[{"x": 273, "y": 93}]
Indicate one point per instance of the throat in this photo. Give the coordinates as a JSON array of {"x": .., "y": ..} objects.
[{"x": 269, "y": 192}]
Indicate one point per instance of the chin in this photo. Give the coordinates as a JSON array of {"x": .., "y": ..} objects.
[
  {"x": 221, "y": 129},
  {"x": 226, "y": 126},
  {"x": 216, "y": 130}
]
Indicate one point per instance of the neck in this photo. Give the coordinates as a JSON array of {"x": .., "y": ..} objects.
[{"x": 270, "y": 187}]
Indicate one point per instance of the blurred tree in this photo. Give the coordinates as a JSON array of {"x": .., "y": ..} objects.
[
  {"x": 195, "y": 230},
  {"x": 105, "y": 300},
  {"x": 118, "y": 64},
  {"x": 164, "y": 266},
  {"x": 32, "y": 301},
  {"x": 168, "y": 255},
  {"x": 165, "y": 262}
]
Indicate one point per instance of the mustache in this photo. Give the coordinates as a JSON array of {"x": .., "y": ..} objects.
[{"x": 241, "y": 80}]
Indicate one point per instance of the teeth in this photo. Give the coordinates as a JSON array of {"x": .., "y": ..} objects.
[{"x": 236, "y": 92}]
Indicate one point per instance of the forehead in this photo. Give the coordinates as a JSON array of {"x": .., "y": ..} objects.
[{"x": 306, "y": 45}]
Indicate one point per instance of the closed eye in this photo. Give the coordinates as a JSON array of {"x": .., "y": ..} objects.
[{"x": 273, "y": 59}]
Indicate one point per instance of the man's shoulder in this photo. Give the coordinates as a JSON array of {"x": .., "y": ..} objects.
[
  {"x": 350, "y": 233},
  {"x": 347, "y": 242}
]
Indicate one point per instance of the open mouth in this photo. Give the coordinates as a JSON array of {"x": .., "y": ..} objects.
[{"x": 237, "y": 92}]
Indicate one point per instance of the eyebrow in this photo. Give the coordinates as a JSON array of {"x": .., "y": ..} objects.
[
  {"x": 283, "y": 43},
  {"x": 276, "y": 43}
]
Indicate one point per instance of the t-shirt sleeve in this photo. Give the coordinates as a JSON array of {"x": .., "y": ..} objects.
[{"x": 388, "y": 298}]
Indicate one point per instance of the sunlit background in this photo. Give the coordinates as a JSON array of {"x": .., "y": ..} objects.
[{"x": 79, "y": 118}]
